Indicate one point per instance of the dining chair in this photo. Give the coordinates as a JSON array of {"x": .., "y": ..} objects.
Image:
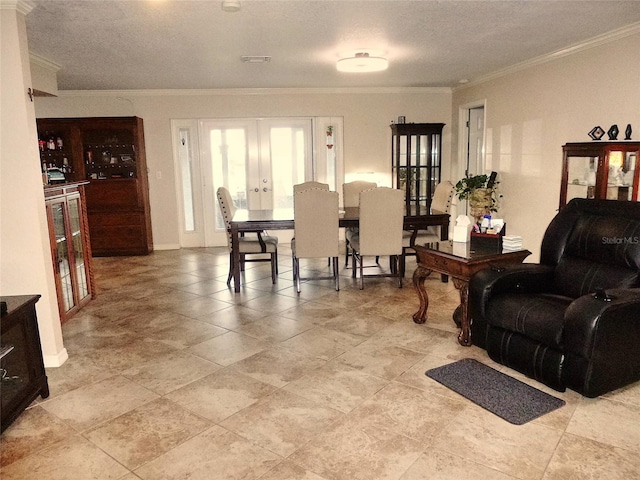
[
  {"x": 380, "y": 234},
  {"x": 316, "y": 232},
  {"x": 307, "y": 185},
  {"x": 440, "y": 203},
  {"x": 351, "y": 198},
  {"x": 259, "y": 245}
]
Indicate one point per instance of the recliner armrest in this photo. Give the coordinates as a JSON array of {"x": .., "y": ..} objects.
[
  {"x": 520, "y": 278},
  {"x": 601, "y": 342},
  {"x": 590, "y": 322}
]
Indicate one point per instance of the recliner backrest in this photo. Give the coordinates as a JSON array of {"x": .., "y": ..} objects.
[{"x": 594, "y": 244}]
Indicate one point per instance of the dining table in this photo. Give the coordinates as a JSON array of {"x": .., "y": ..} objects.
[{"x": 245, "y": 221}]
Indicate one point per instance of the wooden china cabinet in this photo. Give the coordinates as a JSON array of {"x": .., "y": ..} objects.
[
  {"x": 416, "y": 163},
  {"x": 109, "y": 154},
  {"x": 70, "y": 247},
  {"x": 607, "y": 170}
]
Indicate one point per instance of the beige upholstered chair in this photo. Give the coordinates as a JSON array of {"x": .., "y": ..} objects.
[
  {"x": 316, "y": 232},
  {"x": 381, "y": 220},
  {"x": 440, "y": 203},
  {"x": 307, "y": 185},
  {"x": 260, "y": 244},
  {"x": 351, "y": 198}
]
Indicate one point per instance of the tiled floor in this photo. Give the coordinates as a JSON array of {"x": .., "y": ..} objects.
[{"x": 172, "y": 376}]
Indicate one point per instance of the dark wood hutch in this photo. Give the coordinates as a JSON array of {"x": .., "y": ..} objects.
[{"x": 109, "y": 154}]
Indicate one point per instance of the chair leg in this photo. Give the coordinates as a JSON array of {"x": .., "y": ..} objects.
[
  {"x": 296, "y": 267},
  {"x": 230, "y": 269},
  {"x": 276, "y": 262},
  {"x": 346, "y": 253},
  {"x": 293, "y": 264},
  {"x": 274, "y": 267},
  {"x": 354, "y": 263},
  {"x": 336, "y": 273},
  {"x": 398, "y": 269},
  {"x": 361, "y": 259}
]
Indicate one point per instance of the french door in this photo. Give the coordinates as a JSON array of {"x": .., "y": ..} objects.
[{"x": 258, "y": 160}]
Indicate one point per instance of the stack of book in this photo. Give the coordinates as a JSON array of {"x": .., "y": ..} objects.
[{"x": 512, "y": 242}]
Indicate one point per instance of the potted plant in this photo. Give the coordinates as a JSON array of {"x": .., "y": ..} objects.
[{"x": 480, "y": 191}]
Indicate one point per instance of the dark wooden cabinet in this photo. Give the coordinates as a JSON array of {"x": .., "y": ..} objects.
[
  {"x": 22, "y": 367},
  {"x": 108, "y": 152},
  {"x": 70, "y": 246},
  {"x": 416, "y": 163},
  {"x": 607, "y": 170}
]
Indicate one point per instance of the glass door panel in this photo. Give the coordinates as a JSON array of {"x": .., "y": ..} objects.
[
  {"x": 58, "y": 214},
  {"x": 581, "y": 181},
  {"x": 80, "y": 266},
  {"x": 229, "y": 157},
  {"x": 621, "y": 175},
  {"x": 286, "y": 157}
]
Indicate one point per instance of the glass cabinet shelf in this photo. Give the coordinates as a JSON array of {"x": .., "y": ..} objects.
[
  {"x": 416, "y": 163},
  {"x": 605, "y": 170}
]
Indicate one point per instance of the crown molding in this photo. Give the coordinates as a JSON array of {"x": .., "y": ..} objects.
[
  {"x": 21, "y": 6},
  {"x": 253, "y": 91},
  {"x": 594, "y": 42},
  {"x": 43, "y": 62}
]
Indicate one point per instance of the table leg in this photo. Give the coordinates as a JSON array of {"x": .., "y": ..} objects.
[
  {"x": 236, "y": 257},
  {"x": 464, "y": 338},
  {"x": 419, "y": 277}
]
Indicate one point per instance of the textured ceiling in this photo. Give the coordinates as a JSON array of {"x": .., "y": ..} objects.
[{"x": 190, "y": 44}]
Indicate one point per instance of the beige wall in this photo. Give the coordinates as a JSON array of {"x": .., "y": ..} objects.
[
  {"x": 531, "y": 113},
  {"x": 367, "y": 137},
  {"x": 25, "y": 254}
]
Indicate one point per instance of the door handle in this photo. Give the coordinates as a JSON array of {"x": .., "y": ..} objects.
[{"x": 256, "y": 190}]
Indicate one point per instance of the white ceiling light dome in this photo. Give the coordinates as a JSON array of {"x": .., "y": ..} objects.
[
  {"x": 362, "y": 62},
  {"x": 231, "y": 5}
]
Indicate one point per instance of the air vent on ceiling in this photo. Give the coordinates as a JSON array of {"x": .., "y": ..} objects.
[{"x": 255, "y": 59}]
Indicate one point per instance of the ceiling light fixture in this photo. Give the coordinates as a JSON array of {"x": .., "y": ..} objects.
[
  {"x": 230, "y": 5},
  {"x": 362, "y": 62},
  {"x": 255, "y": 58}
]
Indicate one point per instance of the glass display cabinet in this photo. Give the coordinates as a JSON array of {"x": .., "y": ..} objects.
[
  {"x": 70, "y": 248},
  {"x": 416, "y": 163},
  {"x": 606, "y": 170}
]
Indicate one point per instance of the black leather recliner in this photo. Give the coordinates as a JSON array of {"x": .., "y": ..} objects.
[{"x": 573, "y": 320}]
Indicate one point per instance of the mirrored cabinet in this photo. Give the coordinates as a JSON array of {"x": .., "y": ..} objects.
[
  {"x": 607, "y": 170},
  {"x": 70, "y": 248},
  {"x": 416, "y": 163}
]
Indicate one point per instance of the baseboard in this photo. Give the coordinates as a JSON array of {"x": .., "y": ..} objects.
[
  {"x": 166, "y": 246},
  {"x": 56, "y": 360}
]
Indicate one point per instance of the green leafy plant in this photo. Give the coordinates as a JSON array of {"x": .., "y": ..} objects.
[{"x": 469, "y": 188}]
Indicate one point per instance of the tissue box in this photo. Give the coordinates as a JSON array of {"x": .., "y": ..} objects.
[
  {"x": 461, "y": 233},
  {"x": 462, "y": 228}
]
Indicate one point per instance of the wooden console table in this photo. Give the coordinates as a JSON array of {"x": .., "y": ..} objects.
[{"x": 460, "y": 262}]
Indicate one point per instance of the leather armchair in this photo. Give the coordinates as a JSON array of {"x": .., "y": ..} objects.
[{"x": 573, "y": 320}]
